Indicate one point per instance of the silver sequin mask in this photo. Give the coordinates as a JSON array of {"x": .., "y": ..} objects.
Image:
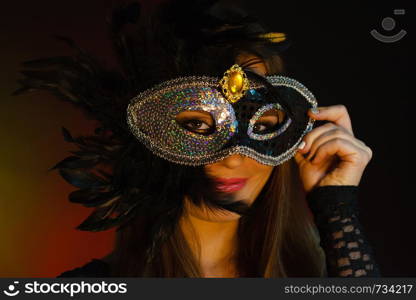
[{"x": 152, "y": 118}]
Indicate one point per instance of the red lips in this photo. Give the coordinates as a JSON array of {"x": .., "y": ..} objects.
[{"x": 229, "y": 185}]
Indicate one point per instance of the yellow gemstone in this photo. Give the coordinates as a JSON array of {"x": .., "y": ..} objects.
[{"x": 235, "y": 82}]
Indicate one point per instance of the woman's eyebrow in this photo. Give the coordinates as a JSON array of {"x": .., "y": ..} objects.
[
  {"x": 195, "y": 114},
  {"x": 206, "y": 117},
  {"x": 270, "y": 113},
  {"x": 249, "y": 63}
]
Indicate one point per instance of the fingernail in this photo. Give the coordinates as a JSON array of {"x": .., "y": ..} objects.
[
  {"x": 301, "y": 145},
  {"x": 315, "y": 110}
]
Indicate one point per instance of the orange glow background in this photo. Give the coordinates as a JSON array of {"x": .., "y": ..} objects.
[{"x": 38, "y": 232}]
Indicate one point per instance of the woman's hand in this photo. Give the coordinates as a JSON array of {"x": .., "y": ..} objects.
[{"x": 331, "y": 154}]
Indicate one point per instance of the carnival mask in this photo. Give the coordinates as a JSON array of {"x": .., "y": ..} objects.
[{"x": 234, "y": 103}]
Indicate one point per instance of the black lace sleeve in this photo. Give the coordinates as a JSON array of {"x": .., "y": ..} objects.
[{"x": 348, "y": 253}]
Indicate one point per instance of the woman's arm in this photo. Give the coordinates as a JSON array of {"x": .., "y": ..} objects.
[
  {"x": 348, "y": 253},
  {"x": 331, "y": 162}
]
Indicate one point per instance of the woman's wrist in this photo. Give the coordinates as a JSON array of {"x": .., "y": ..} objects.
[{"x": 330, "y": 200}]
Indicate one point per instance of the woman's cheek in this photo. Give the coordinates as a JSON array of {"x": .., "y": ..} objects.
[{"x": 256, "y": 185}]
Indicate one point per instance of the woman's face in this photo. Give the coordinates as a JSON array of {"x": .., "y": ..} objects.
[{"x": 240, "y": 175}]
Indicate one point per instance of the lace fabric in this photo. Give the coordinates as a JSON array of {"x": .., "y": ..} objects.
[{"x": 348, "y": 252}]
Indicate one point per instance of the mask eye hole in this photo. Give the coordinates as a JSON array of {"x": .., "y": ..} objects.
[
  {"x": 269, "y": 121},
  {"x": 196, "y": 121}
]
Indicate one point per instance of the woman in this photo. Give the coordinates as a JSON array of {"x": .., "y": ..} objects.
[{"x": 208, "y": 176}]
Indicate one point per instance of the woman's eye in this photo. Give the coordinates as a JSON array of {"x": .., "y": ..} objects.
[
  {"x": 259, "y": 127},
  {"x": 201, "y": 122},
  {"x": 196, "y": 125},
  {"x": 269, "y": 121}
]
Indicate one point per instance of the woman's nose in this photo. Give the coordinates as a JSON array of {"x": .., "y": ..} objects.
[{"x": 233, "y": 161}]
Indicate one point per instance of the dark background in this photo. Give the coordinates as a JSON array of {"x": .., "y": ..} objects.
[{"x": 332, "y": 53}]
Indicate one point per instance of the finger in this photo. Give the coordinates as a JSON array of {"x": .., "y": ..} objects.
[
  {"x": 299, "y": 158},
  {"x": 337, "y": 114},
  {"x": 345, "y": 149},
  {"x": 313, "y": 134},
  {"x": 334, "y": 133}
]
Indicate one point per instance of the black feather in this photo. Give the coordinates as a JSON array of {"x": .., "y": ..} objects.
[
  {"x": 91, "y": 198},
  {"x": 67, "y": 135},
  {"x": 82, "y": 179},
  {"x": 73, "y": 162}
]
